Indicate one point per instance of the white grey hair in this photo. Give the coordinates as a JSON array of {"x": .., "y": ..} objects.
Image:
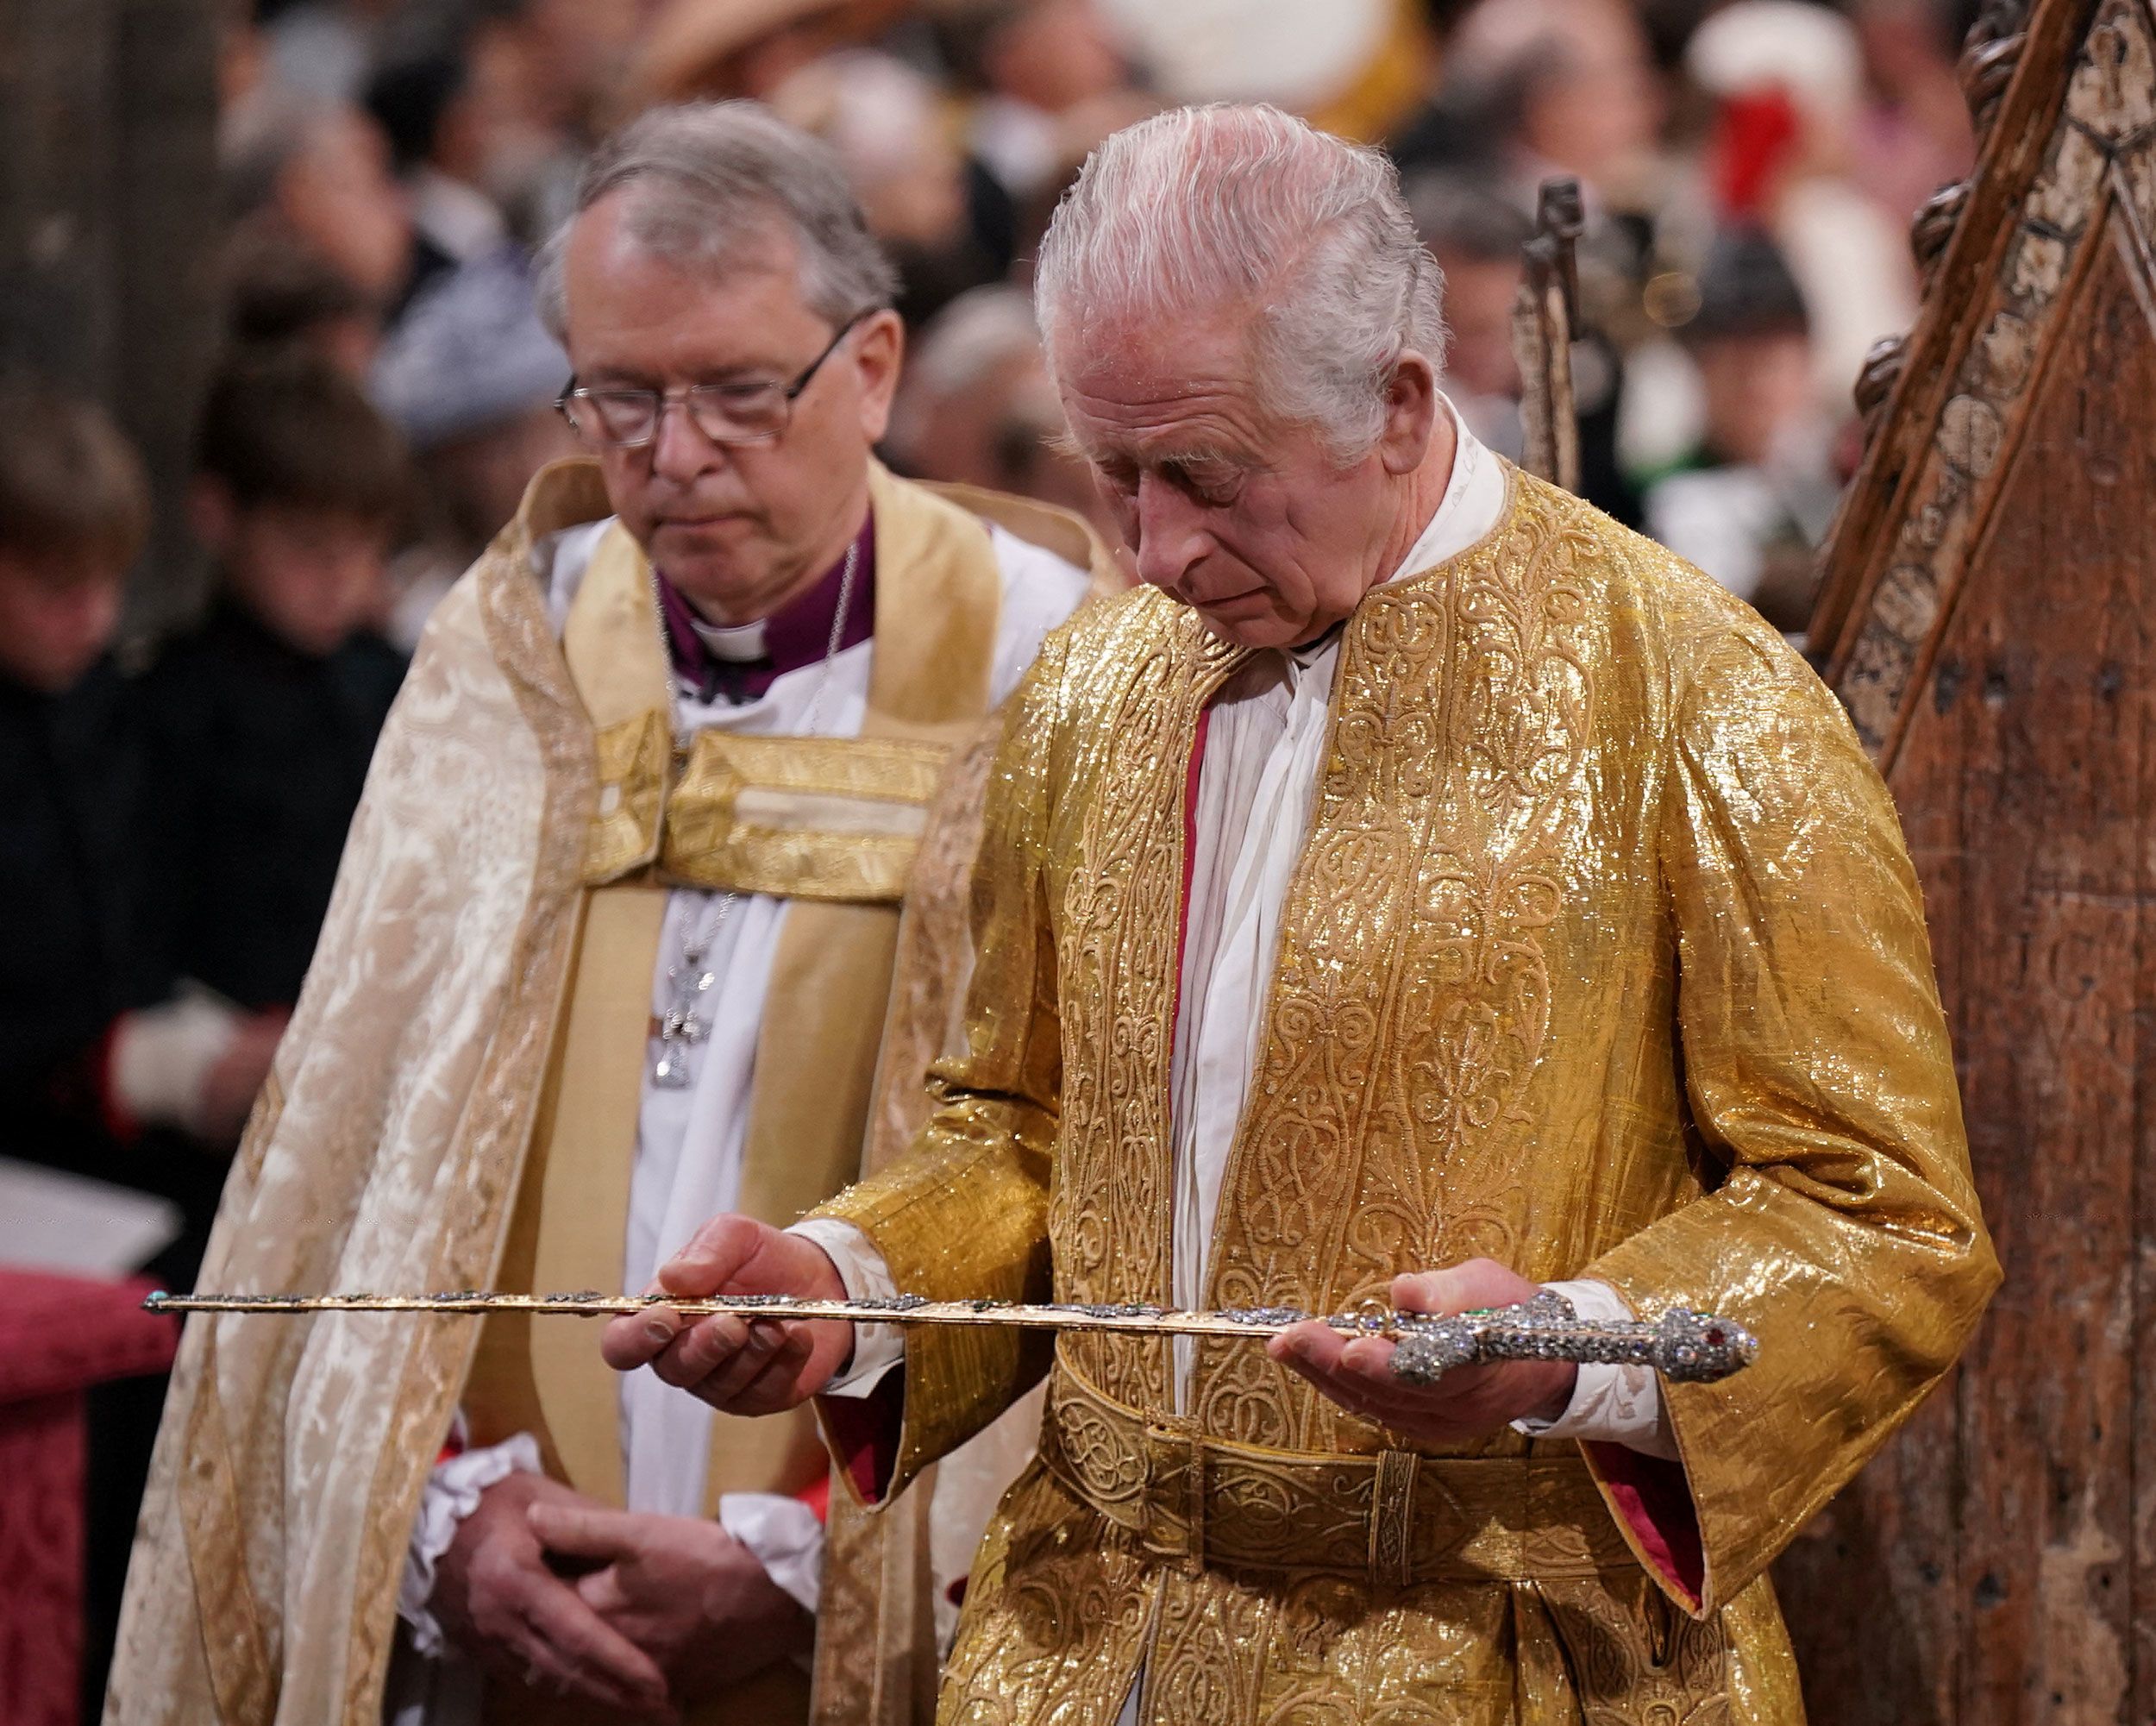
[
  {"x": 715, "y": 182},
  {"x": 1247, "y": 209}
]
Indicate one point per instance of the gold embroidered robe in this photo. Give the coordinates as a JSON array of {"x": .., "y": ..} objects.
[
  {"x": 490, "y": 884},
  {"x": 1603, "y": 959}
]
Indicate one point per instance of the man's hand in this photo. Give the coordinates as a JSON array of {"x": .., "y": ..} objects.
[
  {"x": 497, "y": 1599},
  {"x": 1469, "y": 1402},
  {"x": 761, "y": 1367},
  {"x": 684, "y": 1590}
]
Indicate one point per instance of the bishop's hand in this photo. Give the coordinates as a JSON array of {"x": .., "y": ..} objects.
[
  {"x": 1469, "y": 1402},
  {"x": 760, "y": 1366}
]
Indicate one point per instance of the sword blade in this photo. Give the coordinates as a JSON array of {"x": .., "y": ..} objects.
[{"x": 1682, "y": 1345}]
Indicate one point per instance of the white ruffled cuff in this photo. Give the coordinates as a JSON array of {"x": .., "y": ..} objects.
[
  {"x": 1610, "y": 1404},
  {"x": 877, "y": 1347},
  {"x": 451, "y": 1494}
]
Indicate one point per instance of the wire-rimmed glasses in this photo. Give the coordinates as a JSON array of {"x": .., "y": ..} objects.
[{"x": 621, "y": 418}]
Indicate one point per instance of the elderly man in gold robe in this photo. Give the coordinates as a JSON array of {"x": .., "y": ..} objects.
[
  {"x": 1425, "y": 891},
  {"x": 611, "y": 949}
]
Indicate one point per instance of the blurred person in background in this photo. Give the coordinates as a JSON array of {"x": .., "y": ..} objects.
[
  {"x": 1913, "y": 136},
  {"x": 1751, "y": 503},
  {"x": 443, "y": 120},
  {"x": 1536, "y": 88},
  {"x": 323, "y": 48},
  {"x": 1789, "y": 77},
  {"x": 268, "y": 711},
  {"x": 942, "y": 221},
  {"x": 280, "y": 297},
  {"x": 315, "y": 174},
  {"x": 1357, "y": 68},
  {"x": 1045, "y": 79},
  {"x": 745, "y": 47},
  {"x": 1476, "y": 238},
  {"x": 557, "y": 69},
  {"x": 977, "y": 407},
  {"x": 470, "y": 377},
  {"x": 109, "y": 1070}
]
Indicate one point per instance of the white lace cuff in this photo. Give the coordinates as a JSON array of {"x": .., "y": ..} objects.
[
  {"x": 1610, "y": 1404},
  {"x": 451, "y": 1494},
  {"x": 877, "y": 1347}
]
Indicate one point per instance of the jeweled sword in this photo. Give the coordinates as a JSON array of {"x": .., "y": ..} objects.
[{"x": 1685, "y": 1346}]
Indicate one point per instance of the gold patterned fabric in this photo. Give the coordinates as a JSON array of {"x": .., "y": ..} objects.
[{"x": 1603, "y": 959}]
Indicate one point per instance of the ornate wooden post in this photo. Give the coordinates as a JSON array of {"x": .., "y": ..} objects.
[
  {"x": 1989, "y": 616},
  {"x": 1542, "y": 322}
]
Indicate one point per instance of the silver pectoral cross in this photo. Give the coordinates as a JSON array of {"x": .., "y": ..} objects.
[{"x": 680, "y": 1030}]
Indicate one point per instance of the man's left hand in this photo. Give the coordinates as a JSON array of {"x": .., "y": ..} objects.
[
  {"x": 682, "y": 1589},
  {"x": 1469, "y": 1402}
]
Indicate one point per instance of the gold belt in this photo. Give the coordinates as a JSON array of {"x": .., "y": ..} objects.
[{"x": 1397, "y": 1517}]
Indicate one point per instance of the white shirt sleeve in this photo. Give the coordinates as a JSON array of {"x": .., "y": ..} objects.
[
  {"x": 877, "y": 1347},
  {"x": 451, "y": 1494},
  {"x": 1610, "y": 1404}
]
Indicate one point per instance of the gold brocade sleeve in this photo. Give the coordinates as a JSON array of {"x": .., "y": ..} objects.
[
  {"x": 1846, "y": 1231},
  {"x": 963, "y": 1214}
]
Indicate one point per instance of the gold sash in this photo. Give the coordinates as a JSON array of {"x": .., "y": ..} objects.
[{"x": 831, "y": 823}]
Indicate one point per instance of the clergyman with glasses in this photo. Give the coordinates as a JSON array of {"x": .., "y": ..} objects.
[{"x": 613, "y": 948}]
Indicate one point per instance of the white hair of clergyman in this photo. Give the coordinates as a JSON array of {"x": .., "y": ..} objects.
[
  {"x": 714, "y": 182},
  {"x": 1248, "y": 212}
]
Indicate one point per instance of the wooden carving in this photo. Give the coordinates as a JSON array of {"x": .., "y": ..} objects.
[
  {"x": 1542, "y": 320},
  {"x": 1989, "y": 616}
]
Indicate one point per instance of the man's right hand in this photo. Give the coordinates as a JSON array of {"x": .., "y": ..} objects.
[
  {"x": 743, "y": 1366},
  {"x": 496, "y": 1598}
]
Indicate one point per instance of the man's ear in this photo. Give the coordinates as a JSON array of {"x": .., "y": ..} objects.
[
  {"x": 211, "y": 514},
  {"x": 878, "y": 351},
  {"x": 1411, "y": 413}
]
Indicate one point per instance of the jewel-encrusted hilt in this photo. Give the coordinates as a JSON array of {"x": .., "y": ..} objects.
[{"x": 1685, "y": 1346}]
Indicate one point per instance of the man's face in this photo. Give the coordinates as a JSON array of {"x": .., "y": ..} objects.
[
  {"x": 1245, "y": 517},
  {"x": 312, "y": 577},
  {"x": 737, "y": 527},
  {"x": 57, "y": 615}
]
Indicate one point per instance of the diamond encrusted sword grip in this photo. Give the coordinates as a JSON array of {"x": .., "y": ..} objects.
[{"x": 1685, "y": 1346}]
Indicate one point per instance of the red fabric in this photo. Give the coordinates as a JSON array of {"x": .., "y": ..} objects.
[
  {"x": 866, "y": 1431},
  {"x": 1754, "y": 138},
  {"x": 41, "y": 1447},
  {"x": 1190, "y": 850},
  {"x": 817, "y": 1494},
  {"x": 61, "y": 1334},
  {"x": 58, "y": 1336},
  {"x": 1657, "y": 1505}
]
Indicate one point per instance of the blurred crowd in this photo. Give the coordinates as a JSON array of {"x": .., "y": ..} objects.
[{"x": 389, "y": 167}]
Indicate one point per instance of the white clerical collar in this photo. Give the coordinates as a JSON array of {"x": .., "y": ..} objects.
[
  {"x": 737, "y": 643},
  {"x": 1474, "y": 498}
]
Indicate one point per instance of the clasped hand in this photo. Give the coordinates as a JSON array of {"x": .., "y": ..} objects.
[{"x": 643, "y": 1614}]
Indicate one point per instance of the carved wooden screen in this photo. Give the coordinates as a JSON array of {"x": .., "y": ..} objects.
[{"x": 1987, "y": 616}]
